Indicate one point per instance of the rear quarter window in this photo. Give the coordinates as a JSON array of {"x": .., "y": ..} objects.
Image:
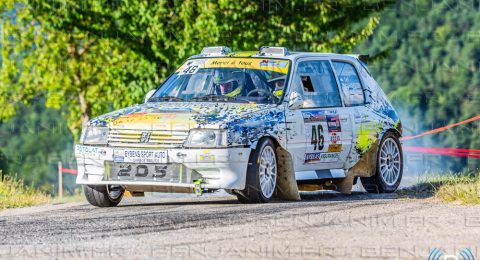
[{"x": 350, "y": 83}]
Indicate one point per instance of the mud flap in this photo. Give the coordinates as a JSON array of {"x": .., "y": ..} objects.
[
  {"x": 345, "y": 185},
  {"x": 287, "y": 188},
  {"x": 365, "y": 167}
]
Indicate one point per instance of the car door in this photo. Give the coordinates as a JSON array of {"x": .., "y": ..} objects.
[{"x": 319, "y": 133}]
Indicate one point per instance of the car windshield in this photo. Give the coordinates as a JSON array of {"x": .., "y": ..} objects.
[{"x": 226, "y": 80}]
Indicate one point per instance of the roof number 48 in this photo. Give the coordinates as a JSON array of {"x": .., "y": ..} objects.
[{"x": 190, "y": 70}]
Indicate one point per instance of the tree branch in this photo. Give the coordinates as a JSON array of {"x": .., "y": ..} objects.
[{"x": 87, "y": 46}]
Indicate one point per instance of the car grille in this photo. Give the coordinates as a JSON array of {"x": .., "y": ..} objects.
[{"x": 157, "y": 139}]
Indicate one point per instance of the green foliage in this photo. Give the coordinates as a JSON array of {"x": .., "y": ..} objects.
[
  {"x": 431, "y": 70},
  {"x": 33, "y": 142},
  {"x": 86, "y": 74},
  {"x": 96, "y": 56},
  {"x": 167, "y": 32},
  {"x": 3, "y": 164}
]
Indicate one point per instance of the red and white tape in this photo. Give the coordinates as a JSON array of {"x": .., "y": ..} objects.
[
  {"x": 69, "y": 171},
  {"x": 460, "y": 152}
]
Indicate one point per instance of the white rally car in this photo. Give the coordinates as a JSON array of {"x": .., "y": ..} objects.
[{"x": 258, "y": 124}]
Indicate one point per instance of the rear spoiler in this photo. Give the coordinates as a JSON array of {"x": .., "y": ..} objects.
[{"x": 361, "y": 57}]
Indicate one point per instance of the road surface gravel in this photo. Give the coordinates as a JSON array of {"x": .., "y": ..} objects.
[{"x": 324, "y": 225}]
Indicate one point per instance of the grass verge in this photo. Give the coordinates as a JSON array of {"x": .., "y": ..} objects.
[
  {"x": 463, "y": 188},
  {"x": 14, "y": 193}
]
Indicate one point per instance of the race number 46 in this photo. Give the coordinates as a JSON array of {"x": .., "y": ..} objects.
[{"x": 318, "y": 139}]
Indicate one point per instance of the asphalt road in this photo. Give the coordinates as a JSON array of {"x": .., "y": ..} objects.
[{"x": 323, "y": 225}]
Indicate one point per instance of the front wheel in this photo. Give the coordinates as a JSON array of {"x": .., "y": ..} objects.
[
  {"x": 389, "y": 168},
  {"x": 103, "y": 195},
  {"x": 261, "y": 174}
]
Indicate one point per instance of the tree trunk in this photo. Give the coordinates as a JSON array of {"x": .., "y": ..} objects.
[{"x": 84, "y": 108}]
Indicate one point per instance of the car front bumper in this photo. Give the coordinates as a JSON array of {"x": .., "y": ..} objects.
[{"x": 217, "y": 168}]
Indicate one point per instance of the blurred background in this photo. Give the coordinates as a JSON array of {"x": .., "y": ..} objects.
[{"x": 63, "y": 62}]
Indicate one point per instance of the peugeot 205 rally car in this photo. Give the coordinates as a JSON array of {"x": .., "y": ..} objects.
[{"x": 258, "y": 124}]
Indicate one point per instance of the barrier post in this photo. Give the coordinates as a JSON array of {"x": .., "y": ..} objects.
[{"x": 60, "y": 180}]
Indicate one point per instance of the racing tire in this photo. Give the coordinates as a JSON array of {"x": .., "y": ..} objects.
[
  {"x": 103, "y": 195},
  {"x": 262, "y": 174},
  {"x": 389, "y": 168}
]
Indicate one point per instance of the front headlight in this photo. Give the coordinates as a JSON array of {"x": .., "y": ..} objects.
[
  {"x": 207, "y": 138},
  {"x": 94, "y": 135}
]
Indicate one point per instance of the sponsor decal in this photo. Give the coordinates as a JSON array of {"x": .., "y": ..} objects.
[
  {"x": 334, "y": 148},
  {"x": 321, "y": 157},
  {"x": 333, "y": 123},
  {"x": 314, "y": 117},
  {"x": 207, "y": 158},
  {"x": 334, "y": 138},
  {"x": 311, "y": 116},
  {"x": 140, "y": 156},
  {"x": 118, "y": 158},
  {"x": 87, "y": 150},
  {"x": 276, "y": 65}
]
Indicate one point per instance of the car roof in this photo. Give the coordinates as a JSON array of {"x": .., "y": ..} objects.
[
  {"x": 293, "y": 56},
  {"x": 289, "y": 56}
]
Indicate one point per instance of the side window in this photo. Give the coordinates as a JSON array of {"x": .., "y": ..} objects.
[
  {"x": 316, "y": 82},
  {"x": 350, "y": 83}
]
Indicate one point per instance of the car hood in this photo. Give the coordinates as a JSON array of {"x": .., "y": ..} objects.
[{"x": 178, "y": 115}]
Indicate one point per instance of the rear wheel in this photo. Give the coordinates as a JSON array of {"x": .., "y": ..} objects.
[
  {"x": 389, "y": 167},
  {"x": 261, "y": 174},
  {"x": 103, "y": 195}
]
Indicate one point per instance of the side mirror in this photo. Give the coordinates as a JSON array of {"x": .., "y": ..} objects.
[
  {"x": 295, "y": 101},
  {"x": 149, "y": 95}
]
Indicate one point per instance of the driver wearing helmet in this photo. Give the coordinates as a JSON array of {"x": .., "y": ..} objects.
[
  {"x": 229, "y": 83},
  {"x": 278, "y": 81}
]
